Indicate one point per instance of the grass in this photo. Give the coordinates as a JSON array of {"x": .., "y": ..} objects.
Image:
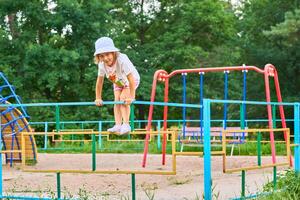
[{"x": 287, "y": 188}]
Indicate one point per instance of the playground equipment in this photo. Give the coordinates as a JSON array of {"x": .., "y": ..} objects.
[
  {"x": 13, "y": 122},
  {"x": 206, "y": 125},
  {"x": 163, "y": 76}
]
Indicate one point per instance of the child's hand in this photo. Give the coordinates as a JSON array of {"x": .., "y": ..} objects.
[
  {"x": 128, "y": 101},
  {"x": 98, "y": 102}
]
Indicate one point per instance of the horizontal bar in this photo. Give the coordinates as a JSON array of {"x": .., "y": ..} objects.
[
  {"x": 11, "y": 151},
  {"x": 255, "y": 130},
  {"x": 198, "y": 153},
  {"x": 24, "y": 197},
  {"x": 255, "y": 167},
  {"x": 104, "y": 103},
  {"x": 156, "y": 120},
  {"x": 89, "y": 133},
  {"x": 251, "y": 102},
  {"x": 101, "y": 171}
]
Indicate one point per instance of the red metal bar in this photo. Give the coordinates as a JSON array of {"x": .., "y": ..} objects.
[
  {"x": 216, "y": 69},
  {"x": 166, "y": 99},
  {"x": 268, "y": 71},
  {"x": 151, "y": 108},
  {"x": 281, "y": 109}
]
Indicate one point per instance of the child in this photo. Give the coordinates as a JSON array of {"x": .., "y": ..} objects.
[{"x": 120, "y": 71}]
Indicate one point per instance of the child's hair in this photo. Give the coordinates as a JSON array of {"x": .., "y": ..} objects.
[{"x": 97, "y": 58}]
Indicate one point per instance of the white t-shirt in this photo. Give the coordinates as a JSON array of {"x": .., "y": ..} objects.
[{"x": 123, "y": 67}]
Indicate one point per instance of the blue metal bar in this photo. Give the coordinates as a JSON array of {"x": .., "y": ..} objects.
[
  {"x": 201, "y": 103},
  {"x": 297, "y": 138},
  {"x": 225, "y": 98},
  {"x": 11, "y": 148},
  {"x": 104, "y": 103},
  {"x": 46, "y": 136},
  {"x": 244, "y": 93},
  {"x": 207, "y": 155},
  {"x": 184, "y": 108},
  {"x": 23, "y": 197},
  {"x": 250, "y": 102},
  {"x": 1, "y": 170}
]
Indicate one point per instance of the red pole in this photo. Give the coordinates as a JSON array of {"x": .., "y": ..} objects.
[
  {"x": 151, "y": 108},
  {"x": 166, "y": 99},
  {"x": 281, "y": 109},
  {"x": 268, "y": 72}
]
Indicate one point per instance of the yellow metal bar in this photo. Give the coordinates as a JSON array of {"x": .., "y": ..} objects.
[
  {"x": 255, "y": 167},
  {"x": 173, "y": 153},
  {"x": 199, "y": 153},
  {"x": 23, "y": 150},
  {"x": 72, "y": 140},
  {"x": 11, "y": 151},
  {"x": 255, "y": 130},
  {"x": 101, "y": 171},
  {"x": 288, "y": 147},
  {"x": 89, "y": 133},
  {"x": 294, "y": 145}
]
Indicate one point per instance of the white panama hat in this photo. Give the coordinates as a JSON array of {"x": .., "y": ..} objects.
[{"x": 104, "y": 45}]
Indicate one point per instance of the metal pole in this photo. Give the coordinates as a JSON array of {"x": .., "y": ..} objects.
[
  {"x": 94, "y": 152},
  {"x": 243, "y": 183},
  {"x": 207, "y": 155},
  {"x": 58, "y": 185},
  {"x": 100, "y": 135},
  {"x": 297, "y": 138},
  {"x": 133, "y": 186}
]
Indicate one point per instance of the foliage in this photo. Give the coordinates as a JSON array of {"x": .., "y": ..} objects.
[{"x": 288, "y": 187}]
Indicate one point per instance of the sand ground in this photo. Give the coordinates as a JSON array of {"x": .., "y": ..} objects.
[{"x": 186, "y": 184}]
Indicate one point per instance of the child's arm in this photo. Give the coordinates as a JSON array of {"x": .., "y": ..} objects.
[
  {"x": 131, "y": 86},
  {"x": 99, "y": 85}
]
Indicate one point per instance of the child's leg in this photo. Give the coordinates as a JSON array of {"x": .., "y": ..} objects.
[
  {"x": 125, "y": 109},
  {"x": 117, "y": 108}
]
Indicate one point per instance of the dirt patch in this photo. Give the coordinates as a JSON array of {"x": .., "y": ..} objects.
[{"x": 186, "y": 184}]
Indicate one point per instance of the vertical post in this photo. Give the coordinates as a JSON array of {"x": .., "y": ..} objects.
[
  {"x": 274, "y": 177},
  {"x": 132, "y": 117},
  {"x": 133, "y": 186},
  {"x": 259, "y": 149},
  {"x": 58, "y": 185},
  {"x": 274, "y": 116},
  {"x": 243, "y": 183},
  {"x": 297, "y": 138},
  {"x": 207, "y": 155},
  {"x": 100, "y": 135},
  {"x": 46, "y": 136},
  {"x": 158, "y": 135},
  {"x": 93, "y": 152},
  {"x": 57, "y": 120},
  {"x": 1, "y": 170}
]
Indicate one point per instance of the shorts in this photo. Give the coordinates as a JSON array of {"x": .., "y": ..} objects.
[{"x": 118, "y": 88}]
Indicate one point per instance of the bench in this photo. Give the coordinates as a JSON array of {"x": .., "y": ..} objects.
[{"x": 190, "y": 135}]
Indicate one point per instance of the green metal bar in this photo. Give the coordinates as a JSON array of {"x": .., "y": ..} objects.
[
  {"x": 58, "y": 185},
  {"x": 158, "y": 135},
  {"x": 259, "y": 149},
  {"x": 275, "y": 177},
  {"x": 243, "y": 183},
  {"x": 242, "y": 117},
  {"x": 132, "y": 117},
  {"x": 133, "y": 186},
  {"x": 57, "y": 120},
  {"x": 100, "y": 135},
  {"x": 94, "y": 152},
  {"x": 274, "y": 115}
]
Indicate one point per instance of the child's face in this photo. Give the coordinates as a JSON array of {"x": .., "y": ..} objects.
[{"x": 108, "y": 58}]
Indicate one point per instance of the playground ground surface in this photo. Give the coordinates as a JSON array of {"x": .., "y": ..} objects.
[{"x": 186, "y": 184}]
